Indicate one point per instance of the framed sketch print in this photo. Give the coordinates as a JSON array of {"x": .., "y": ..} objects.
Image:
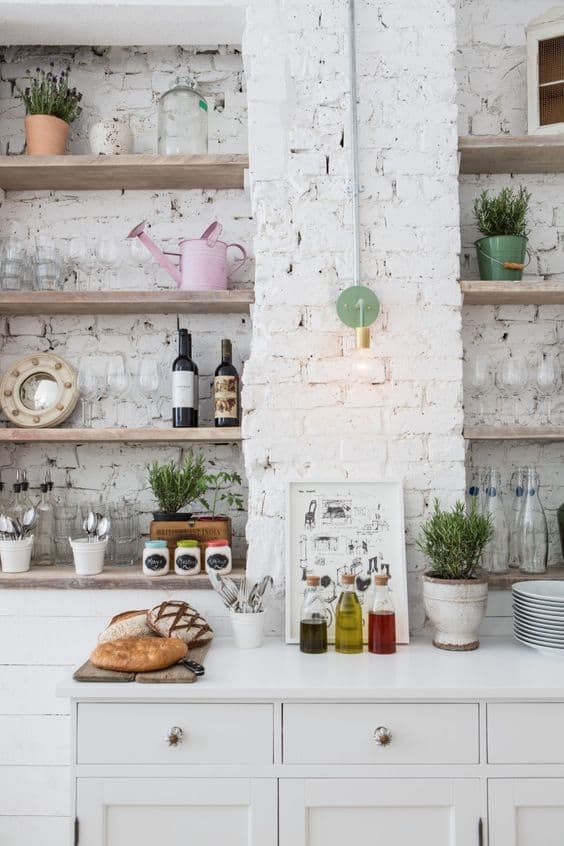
[{"x": 345, "y": 527}]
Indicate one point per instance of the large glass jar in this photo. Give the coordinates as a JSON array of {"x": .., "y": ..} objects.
[{"x": 183, "y": 121}]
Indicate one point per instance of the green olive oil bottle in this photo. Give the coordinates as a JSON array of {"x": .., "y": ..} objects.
[{"x": 348, "y": 619}]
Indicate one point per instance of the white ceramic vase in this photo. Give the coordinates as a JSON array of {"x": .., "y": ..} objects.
[
  {"x": 455, "y": 608},
  {"x": 110, "y": 138},
  {"x": 16, "y": 555}
]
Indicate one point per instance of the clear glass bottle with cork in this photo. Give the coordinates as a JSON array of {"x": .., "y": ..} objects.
[
  {"x": 313, "y": 619},
  {"x": 348, "y": 618},
  {"x": 382, "y": 618}
]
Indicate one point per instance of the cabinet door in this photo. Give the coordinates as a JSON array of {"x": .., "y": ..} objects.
[
  {"x": 333, "y": 812},
  {"x": 526, "y": 811},
  {"x": 149, "y": 811}
]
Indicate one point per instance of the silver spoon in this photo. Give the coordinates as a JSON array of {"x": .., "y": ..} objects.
[{"x": 103, "y": 528}]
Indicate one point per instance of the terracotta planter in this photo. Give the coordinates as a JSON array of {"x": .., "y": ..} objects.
[
  {"x": 45, "y": 135},
  {"x": 455, "y": 607}
]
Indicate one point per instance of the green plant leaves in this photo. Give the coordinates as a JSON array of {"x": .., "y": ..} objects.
[
  {"x": 505, "y": 214},
  {"x": 454, "y": 541},
  {"x": 176, "y": 486}
]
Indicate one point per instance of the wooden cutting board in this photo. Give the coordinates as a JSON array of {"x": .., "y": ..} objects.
[{"x": 177, "y": 674}]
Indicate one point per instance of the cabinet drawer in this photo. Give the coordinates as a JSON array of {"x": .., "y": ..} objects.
[
  {"x": 211, "y": 734},
  {"x": 345, "y": 734},
  {"x": 526, "y": 733}
]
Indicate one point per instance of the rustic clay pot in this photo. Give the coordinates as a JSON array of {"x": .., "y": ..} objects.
[
  {"x": 455, "y": 608},
  {"x": 110, "y": 138},
  {"x": 45, "y": 135}
]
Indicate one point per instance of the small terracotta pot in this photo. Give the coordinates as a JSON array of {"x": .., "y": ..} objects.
[{"x": 45, "y": 135}]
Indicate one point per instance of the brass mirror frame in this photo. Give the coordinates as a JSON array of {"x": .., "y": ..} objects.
[{"x": 67, "y": 392}]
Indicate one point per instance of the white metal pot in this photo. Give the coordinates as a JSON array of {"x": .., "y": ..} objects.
[
  {"x": 16, "y": 555},
  {"x": 455, "y": 608},
  {"x": 110, "y": 138},
  {"x": 88, "y": 556},
  {"x": 248, "y": 629}
]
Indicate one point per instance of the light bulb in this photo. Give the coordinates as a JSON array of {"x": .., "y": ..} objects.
[{"x": 365, "y": 365}]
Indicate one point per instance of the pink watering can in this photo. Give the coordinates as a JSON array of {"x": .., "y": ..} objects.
[{"x": 203, "y": 261}]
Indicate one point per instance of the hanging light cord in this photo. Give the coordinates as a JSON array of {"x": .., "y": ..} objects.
[{"x": 353, "y": 128}]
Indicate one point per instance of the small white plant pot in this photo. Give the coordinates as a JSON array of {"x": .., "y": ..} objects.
[
  {"x": 88, "y": 556},
  {"x": 15, "y": 555},
  {"x": 248, "y": 629},
  {"x": 455, "y": 608},
  {"x": 110, "y": 138}
]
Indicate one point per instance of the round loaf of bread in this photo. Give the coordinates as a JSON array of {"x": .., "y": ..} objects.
[
  {"x": 138, "y": 654},
  {"x": 127, "y": 624}
]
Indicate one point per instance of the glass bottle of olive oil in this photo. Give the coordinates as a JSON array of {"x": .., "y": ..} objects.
[
  {"x": 348, "y": 618},
  {"x": 313, "y": 620}
]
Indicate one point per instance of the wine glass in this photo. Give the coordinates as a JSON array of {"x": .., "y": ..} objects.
[
  {"x": 148, "y": 380},
  {"x": 512, "y": 377},
  {"x": 87, "y": 384},
  {"x": 481, "y": 377},
  {"x": 548, "y": 379},
  {"x": 117, "y": 380}
]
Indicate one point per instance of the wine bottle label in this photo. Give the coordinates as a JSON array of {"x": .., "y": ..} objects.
[
  {"x": 184, "y": 389},
  {"x": 225, "y": 397}
]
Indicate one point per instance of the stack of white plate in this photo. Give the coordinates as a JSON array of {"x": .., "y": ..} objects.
[{"x": 538, "y": 615}]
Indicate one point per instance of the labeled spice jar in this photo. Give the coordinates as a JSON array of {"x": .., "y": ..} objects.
[
  {"x": 218, "y": 556},
  {"x": 156, "y": 561},
  {"x": 187, "y": 558}
]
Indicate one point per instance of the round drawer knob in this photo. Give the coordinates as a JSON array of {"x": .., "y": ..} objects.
[
  {"x": 174, "y": 736},
  {"x": 383, "y": 736}
]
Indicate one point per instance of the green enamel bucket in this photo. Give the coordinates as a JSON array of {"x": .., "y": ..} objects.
[{"x": 502, "y": 257}]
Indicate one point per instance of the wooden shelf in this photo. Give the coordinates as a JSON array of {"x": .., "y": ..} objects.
[
  {"x": 126, "y": 302},
  {"x": 60, "y": 577},
  {"x": 514, "y": 433},
  {"x": 147, "y": 172},
  {"x": 504, "y": 581},
  {"x": 532, "y": 291},
  {"x": 205, "y": 434},
  {"x": 511, "y": 154}
]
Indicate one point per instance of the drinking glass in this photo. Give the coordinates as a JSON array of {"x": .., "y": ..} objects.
[
  {"x": 49, "y": 268},
  {"x": 148, "y": 379},
  {"x": 87, "y": 384},
  {"x": 107, "y": 253},
  {"x": 79, "y": 258},
  {"x": 481, "y": 378},
  {"x": 548, "y": 379},
  {"x": 512, "y": 377},
  {"x": 13, "y": 264},
  {"x": 124, "y": 539},
  {"x": 66, "y": 526},
  {"x": 117, "y": 381}
]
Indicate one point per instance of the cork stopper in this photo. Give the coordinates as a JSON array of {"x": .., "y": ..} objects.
[
  {"x": 347, "y": 579},
  {"x": 313, "y": 581},
  {"x": 381, "y": 580}
]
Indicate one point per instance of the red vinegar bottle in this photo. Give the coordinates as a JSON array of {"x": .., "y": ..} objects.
[{"x": 382, "y": 619}]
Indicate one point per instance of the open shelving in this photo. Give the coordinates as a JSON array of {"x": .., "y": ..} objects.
[
  {"x": 514, "y": 433},
  {"x": 126, "y": 302},
  {"x": 133, "y": 171},
  {"x": 504, "y": 581},
  {"x": 511, "y": 153},
  {"x": 203, "y": 434},
  {"x": 530, "y": 291}
]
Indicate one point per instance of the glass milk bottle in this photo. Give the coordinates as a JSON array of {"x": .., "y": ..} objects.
[
  {"x": 44, "y": 532},
  {"x": 183, "y": 121},
  {"x": 532, "y": 533},
  {"x": 517, "y": 488},
  {"x": 496, "y": 554},
  {"x": 313, "y": 620},
  {"x": 348, "y": 618}
]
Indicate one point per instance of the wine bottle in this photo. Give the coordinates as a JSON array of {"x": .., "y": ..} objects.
[
  {"x": 226, "y": 390},
  {"x": 184, "y": 385}
]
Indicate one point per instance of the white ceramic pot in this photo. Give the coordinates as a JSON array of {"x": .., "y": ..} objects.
[
  {"x": 110, "y": 138},
  {"x": 88, "y": 556},
  {"x": 455, "y": 608},
  {"x": 248, "y": 629},
  {"x": 16, "y": 555}
]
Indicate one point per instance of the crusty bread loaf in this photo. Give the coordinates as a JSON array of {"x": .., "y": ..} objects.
[
  {"x": 126, "y": 624},
  {"x": 138, "y": 654},
  {"x": 177, "y": 619}
]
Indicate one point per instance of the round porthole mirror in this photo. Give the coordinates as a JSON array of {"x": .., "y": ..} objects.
[{"x": 39, "y": 391}]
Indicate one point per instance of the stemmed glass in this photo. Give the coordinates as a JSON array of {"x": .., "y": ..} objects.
[
  {"x": 549, "y": 379},
  {"x": 87, "y": 384},
  {"x": 481, "y": 378},
  {"x": 512, "y": 377},
  {"x": 148, "y": 380},
  {"x": 117, "y": 381}
]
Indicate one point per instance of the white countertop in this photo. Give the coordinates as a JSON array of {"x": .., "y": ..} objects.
[{"x": 499, "y": 669}]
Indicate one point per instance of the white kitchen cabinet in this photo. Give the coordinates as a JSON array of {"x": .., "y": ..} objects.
[
  {"x": 526, "y": 811},
  {"x": 176, "y": 811},
  {"x": 333, "y": 812}
]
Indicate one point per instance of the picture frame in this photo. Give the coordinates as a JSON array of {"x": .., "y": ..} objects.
[{"x": 337, "y": 527}]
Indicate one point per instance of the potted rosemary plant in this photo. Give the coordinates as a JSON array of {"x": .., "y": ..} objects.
[
  {"x": 176, "y": 486},
  {"x": 502, "y": 220},
  {"x": 454, "y": 590},
  {"x": 50, "y": 106}
]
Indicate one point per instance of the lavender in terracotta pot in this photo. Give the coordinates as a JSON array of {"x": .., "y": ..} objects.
[
  {"x": 454, "y": 590},
  {"x": 51, "y": 105}
]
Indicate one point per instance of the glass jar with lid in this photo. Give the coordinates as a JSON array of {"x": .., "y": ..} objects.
[
  {"x": 187, "y": 561},
  {"x": 182, "y": 121},
  {"x": 155, "y": 558}
]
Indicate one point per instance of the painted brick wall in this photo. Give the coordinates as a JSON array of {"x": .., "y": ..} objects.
[{"x": 492, "y": 98}]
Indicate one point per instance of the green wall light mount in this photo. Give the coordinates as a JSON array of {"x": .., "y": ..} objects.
[{"x": 358, "y": 307}]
